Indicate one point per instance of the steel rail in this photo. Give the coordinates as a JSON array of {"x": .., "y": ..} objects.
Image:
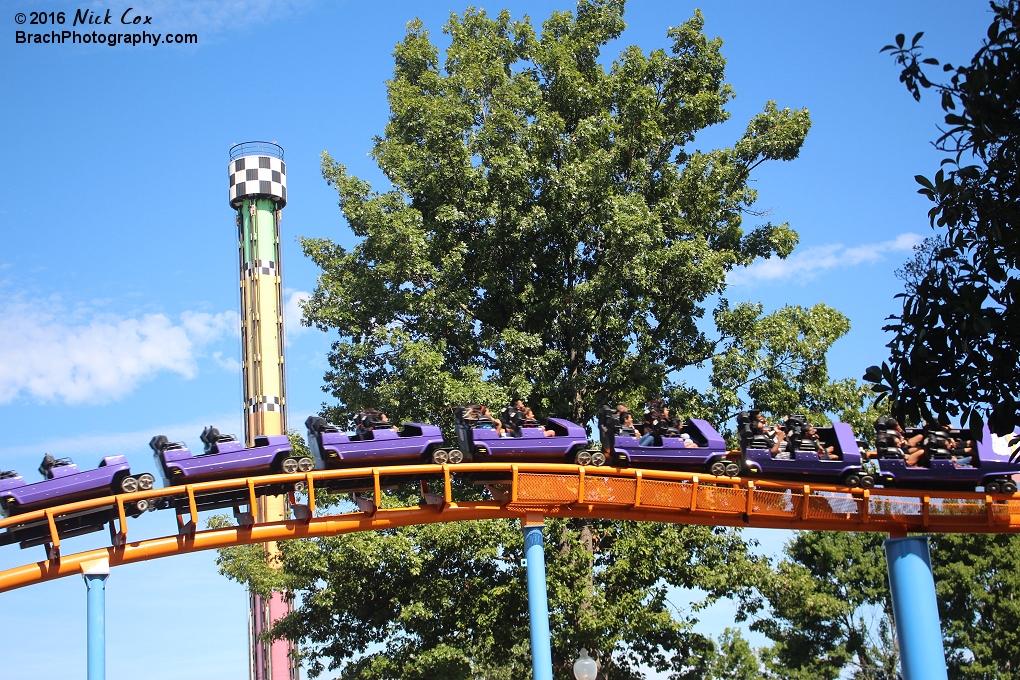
[{"x": 526, "y": 489}]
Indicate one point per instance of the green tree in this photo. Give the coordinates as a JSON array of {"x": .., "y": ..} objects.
[
  {"x": 956, "y": 349},
  {"x": 777, "y": 364},
  {"x": 450, "y": 600},
  {"x": 978, "y": 589},
  {"x": 729, "y": 658},
  {"x": 827, "y": 609},
  {"x": 549, "y": 232}
]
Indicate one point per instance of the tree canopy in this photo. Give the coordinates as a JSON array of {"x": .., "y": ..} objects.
[
  {"x": 450, "y": 600},
  {"x": 956, "y": 349},
  {"x": 550, "y": 231},
  {"x": 827, "y": 610},
  {"x": 777, "y": 364}
]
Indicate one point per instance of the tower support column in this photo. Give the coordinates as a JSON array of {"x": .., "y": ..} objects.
[
  {"x": 538, "y": 599},
  {"x": 915, "y": 609},
  {"x": 258, "y": 193},
  {"x": 95, "y": 583}
]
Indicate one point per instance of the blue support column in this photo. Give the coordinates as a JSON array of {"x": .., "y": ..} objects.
[
  {"x": 915, "y": 609},
  {"x": 95, "y": 581},
  {"x": 538, "y": 601}
]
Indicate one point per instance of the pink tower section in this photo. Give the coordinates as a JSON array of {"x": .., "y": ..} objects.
[{"x": 270, "y": 661}]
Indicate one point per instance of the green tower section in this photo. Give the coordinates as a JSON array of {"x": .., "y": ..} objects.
[{"x": 259, "y": 238}]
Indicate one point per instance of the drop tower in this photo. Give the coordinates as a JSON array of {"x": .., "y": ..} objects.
[{"x": 258, "y": 193}]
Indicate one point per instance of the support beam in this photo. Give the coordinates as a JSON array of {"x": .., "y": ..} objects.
[
  {"x": 95, "y": 575},
  {"x": 915, "y": 609},
  {"x": 538, "y": 599}
]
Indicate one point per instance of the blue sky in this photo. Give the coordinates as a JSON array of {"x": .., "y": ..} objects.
[{"x": 118, "y": 271}]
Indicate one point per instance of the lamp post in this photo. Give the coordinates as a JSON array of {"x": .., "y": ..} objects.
[{"x": 585, "y": 668}]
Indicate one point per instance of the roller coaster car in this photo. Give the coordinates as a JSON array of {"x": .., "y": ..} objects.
[
  {"x": 989, "y": 468},
  {"x": 1008, "y": 445},
  {"x": 380, "y": 444},
  {"x": 479, "y": 440},
  {"x": 801, "y": 460},
  {"x": 224, "y": 457},
  {"x": 9, "y": 479},
  {"x": 671, "y": 450},
  {"x": 64, "y": 483}
]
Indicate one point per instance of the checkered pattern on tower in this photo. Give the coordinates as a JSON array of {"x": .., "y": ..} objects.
[
  {"x": 256, "y": 404},
  {"x": 264, "y": 267},
  {"x": 258, "y": 177}
]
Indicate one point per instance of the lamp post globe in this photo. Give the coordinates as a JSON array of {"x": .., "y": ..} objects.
[{"x": 585, "y": 668}]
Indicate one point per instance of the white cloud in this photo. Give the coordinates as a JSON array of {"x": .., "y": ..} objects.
[
  {"x": 293, "y": 305},
  {"x": 229, "y": 364},
  {"x": 203, "y": 327},
  {"x": 78, "y": 356},
  {"x": 806, "y": 263}
]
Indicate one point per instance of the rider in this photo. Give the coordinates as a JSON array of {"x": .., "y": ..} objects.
[
  {"x": 369, "y": 419},
  {"x": 482, "y": 418},
  {"x": 776, "y": 435},
  {"x": 530, "y": 415},
  {"x": 824, "y": 452},
  {"x": 912, "y": 447},
  {"x": 656, "y": 422}
]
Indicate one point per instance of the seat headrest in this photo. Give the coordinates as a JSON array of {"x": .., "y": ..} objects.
[
  {"x": 211, "y": 437},
  {"x": 317, "y": 425},
  {"x": 49, "y": 462}
]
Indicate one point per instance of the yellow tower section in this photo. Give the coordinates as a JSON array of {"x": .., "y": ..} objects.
[{"x": 261, "y": 318}]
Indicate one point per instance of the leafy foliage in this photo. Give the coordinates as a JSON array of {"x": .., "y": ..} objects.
[
  {"x": 450, "y": 600},
  {"x": 956, "y": 349},
  {"x": 979, "y": 601},
  {"x": 925, "y": 258},
  {"x": 824, "y": 599},
  {"x": 735, "y": 660},
  {"x": 827, "y": 608},
  {"x": 549, "y": 234},
  {"x": 777, "y": 363}
]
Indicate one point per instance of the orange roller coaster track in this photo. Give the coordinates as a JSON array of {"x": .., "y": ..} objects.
[{"x": 522, "y": 491}]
